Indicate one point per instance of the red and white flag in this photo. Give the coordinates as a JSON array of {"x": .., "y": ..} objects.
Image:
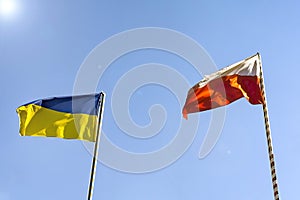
[{"x": 225, "y": 86}]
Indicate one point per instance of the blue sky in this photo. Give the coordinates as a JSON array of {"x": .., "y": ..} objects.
[{"x": 43, "y": 45}]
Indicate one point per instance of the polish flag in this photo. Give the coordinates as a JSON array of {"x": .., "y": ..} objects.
[{"x": 225, "y": 86}]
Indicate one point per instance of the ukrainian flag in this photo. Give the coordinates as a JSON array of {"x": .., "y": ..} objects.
[{"x": 71, "y": 117}]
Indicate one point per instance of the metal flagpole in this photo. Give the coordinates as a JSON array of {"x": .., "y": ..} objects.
[
  {"x": 268, "y": 133},
  {"x": 96, "y": 146}
]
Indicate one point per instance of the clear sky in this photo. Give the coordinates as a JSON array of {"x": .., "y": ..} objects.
[{"x": 43, "y": 45}]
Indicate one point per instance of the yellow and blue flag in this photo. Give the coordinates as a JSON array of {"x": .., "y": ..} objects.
[{"x": 71, "y": 117}]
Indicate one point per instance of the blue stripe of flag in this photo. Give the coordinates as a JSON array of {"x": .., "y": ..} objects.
[{"x": 84, "y": 104}]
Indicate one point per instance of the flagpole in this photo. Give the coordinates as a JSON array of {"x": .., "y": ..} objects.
[
  {"x": 268, "y": 133},
  {"x": 96, "y": 146}
]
